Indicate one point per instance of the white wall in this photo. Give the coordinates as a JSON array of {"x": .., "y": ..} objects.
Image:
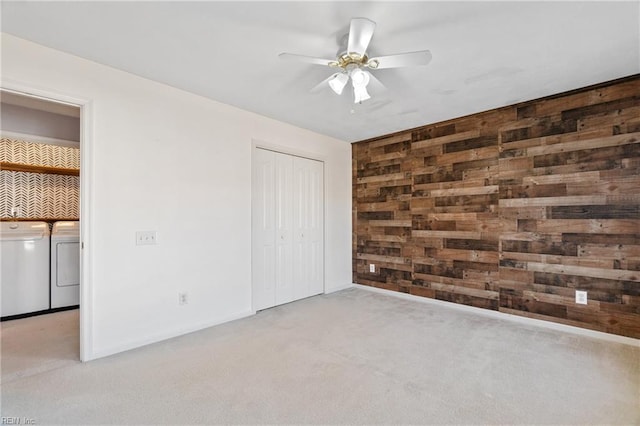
[{"x": 166, "y": 160}]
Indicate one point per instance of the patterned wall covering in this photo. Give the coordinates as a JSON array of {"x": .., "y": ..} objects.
[
  {"x": 39, "y": 154},
  {"x": 512, "y": 209},
  {"x": 39, "y": 195}
]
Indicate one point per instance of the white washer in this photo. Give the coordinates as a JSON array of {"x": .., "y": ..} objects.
[
  {"x": 65, "y": 264},
  {"x": 24, "y": 279}
]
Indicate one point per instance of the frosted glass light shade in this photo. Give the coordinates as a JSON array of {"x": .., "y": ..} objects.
[
  {"x": 360, "y": 94},
  {"x": 338, "y": 82},
  {"x": 359, "y": 78}
]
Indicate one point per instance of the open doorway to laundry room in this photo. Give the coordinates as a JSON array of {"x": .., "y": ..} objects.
[{"x": 40, "y": 218}]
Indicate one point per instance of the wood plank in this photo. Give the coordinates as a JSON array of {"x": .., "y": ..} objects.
[
  {"x": 608, "y": 251},
  {"x": 581, "y": 145},
  {"x": 585, "y": 211},
  {"x": 404, "y": 137},
  {"x": 468, "y": 255},
  {"x": 446, "y": 234},
  {"x": 379, "y": 258},
  {"x": 588, "y": 226},
  {"x": 490, "y": 189},
  {"x": 388, "y": 156},
  {"x": 630, "y": 185},
  {"x": 405, "y": 223},
  {"x": 388, "y": 238},
  {"x": 612, "y": 274},
  {"x": 452, "y": 216},
  {"x": 383, "y": 178},
  {"x": 38, "y": 219},
  {"x": 574, "y": 200},
  {"x": 457, "y": 184},
  {"x": 382, "y": 206},
  {"x": 539, "y": 212},
  {"x": 469, "y": 155},
  {"x": 17, "y": 167},
  {"x": 579, "y": 177},
  {"x": 556, "y": 139},
  {"x": 556, "y": 260},
  {"x": 445, "y": 139}
]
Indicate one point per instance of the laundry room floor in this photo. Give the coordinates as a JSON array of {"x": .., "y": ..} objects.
[{"x": 38, "y": 344}]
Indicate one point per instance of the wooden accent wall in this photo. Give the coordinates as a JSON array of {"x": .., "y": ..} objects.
[{"x": 511, "y": 209}]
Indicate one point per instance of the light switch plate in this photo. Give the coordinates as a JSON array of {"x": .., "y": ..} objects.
[
  {"x": 144, "y": 238},
  {"x": 581, "y": 297}
]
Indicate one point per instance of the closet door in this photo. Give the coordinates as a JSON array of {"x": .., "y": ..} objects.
[
  {"x": 263, "y": 229},
  {"x": 287, "y": 228},
  {"x": 308, "y": 213},
  {"x": 284, "y": 228}
]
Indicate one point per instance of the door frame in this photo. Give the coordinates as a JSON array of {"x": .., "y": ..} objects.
[
  {"x": 283, "y": 149},
  {"x": 85, "y": 202}
]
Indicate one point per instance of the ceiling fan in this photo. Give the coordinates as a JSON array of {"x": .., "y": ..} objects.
[{"x": 354, "y": 63}]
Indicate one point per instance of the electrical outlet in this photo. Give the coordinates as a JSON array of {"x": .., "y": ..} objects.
[
  {"x": 372, "y": 268},
  {"x": 581, "y": 297},
  {"x": 15, "y": 211},
  {"x": 183, "y": 298},
  {"x": 145, "y": 238}
]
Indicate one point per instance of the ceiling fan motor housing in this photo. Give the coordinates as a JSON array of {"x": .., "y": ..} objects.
[{"x": 346, "y": 59}]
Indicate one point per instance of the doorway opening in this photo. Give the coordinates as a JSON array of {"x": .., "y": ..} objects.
[{"x": 40, "y": 218}]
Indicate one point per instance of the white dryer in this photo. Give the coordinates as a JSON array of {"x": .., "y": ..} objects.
[
  {"x": 24, "y": 278},
  {"x": 65, "y": 264}
]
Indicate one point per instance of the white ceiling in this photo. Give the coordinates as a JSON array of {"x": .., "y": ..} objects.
[{"x": 485, "y": 54}]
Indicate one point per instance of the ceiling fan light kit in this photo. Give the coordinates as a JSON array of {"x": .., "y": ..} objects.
[
  {"x": 360, "y": 94},
  {"x": 337, "y": 82},
  {"x": 355, "y": 59},
  {"x": 359, "y": 81}
]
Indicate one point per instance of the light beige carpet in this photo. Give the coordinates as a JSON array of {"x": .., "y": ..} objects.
[
  {"x": 37, "y": 344},
  {"x": 352, "y": 357}
]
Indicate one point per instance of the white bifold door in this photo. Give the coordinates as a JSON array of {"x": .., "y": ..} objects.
[{"x": 287, "y": 228}]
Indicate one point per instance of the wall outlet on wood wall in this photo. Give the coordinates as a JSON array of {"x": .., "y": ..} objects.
[
  {"x": 581, "y": 297},
  {"x": 372, "y": 268}
]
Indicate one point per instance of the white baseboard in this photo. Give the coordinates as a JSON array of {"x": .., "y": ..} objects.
[
  {"x": 334, "y": 289},
  {"x": 166, "y": 335},
  {"x": 509, "y": 317}
]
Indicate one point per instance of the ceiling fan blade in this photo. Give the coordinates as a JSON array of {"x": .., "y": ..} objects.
[
  {"x": 422, "y": 57},
  {"x": 307, "y": 59},
  {"x": 360, "y": 34},
  {"x": 324, "y": 83}
]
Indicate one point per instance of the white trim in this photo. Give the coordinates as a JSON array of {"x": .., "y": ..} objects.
[
  {"x": 158, "y": 337},
  {"x": 23, "y": 89},
  {"x": 614, "y": 338},
  {"x": 39, "y": 139},
  {"x": 86, "y": 204},
  {"x": 86, "y": 216},
  {"x": 336, "y": 289},
  {"x": 257, "y": 143}
]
